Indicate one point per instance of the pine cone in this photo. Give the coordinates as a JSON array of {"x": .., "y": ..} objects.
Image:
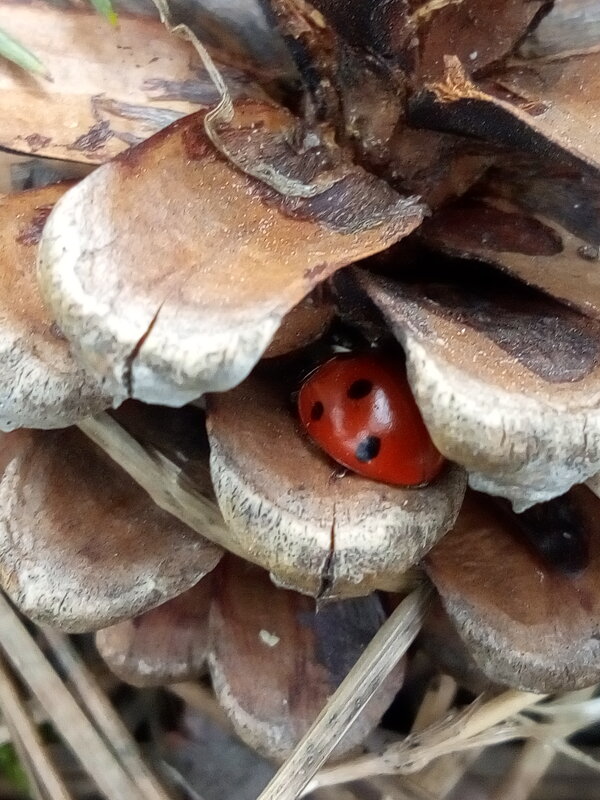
[{"x": 414, "y": 179}]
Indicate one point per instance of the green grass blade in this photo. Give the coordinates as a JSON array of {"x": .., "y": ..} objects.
[
  {"x": 11, "y": 769},
  {"x": 104, "y": 7},
  {"x": 14, "y": 51}
]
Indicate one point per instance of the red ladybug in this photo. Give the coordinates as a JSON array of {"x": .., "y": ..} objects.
[{"x": 360, "y": 410}]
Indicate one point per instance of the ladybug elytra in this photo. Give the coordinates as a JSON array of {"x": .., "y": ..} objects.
[{"x": 360, "y": 410}]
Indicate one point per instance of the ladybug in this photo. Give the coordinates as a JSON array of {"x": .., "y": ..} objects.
[{"x": 360, "y": 410}]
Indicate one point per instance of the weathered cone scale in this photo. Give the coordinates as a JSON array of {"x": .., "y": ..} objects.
[
  {"x": 546, "y": 108},
  {"x": 449, "y": 150},
  {"x": 81, "y": 545},
  {"x": 522, "y": 591},
  {"x": 43, "y": 385},
  {"x": 437, "y": 167},
  {"x": 177, "y": 436},
  {"x": 316, "y": 532},
  {"x": 571, "y": 27},
  {"x": 417, "y": 35},
  {"x": 449, "y": 653},
  {"x": 554, "y": 193},
  {"x": 304, "y": 324},
  {"x": 530, "y": 246},
  {"x": 507, "y": 378},
  {"x": 365, "y": 97},
  {"x": 275, "y": 660},
  {"x": 167, "y": 644},
  {"x": 184, "y": 295},
  {"x": 109, "y": 90}
]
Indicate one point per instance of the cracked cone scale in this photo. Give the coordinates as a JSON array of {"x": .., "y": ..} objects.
[{"x": 415, "y": 178}]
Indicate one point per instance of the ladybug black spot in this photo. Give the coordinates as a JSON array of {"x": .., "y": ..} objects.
[
  {"x": 368, "y": 449},
  {"x": 316, "y": 411},
  {"x": 359, "y": 389}
]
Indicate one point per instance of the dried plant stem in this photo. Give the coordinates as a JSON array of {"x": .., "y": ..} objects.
[
  {"x": 440, "y": 777},
  {"x": 436, "y": 703},
  {"x": 203, "y": 701},
  {"x": 498, "y": 709},
  {"x": 336, "y": 793},
  {"x": 537, "y": 756},
  {"x": 382, "y": 654},
  {"x": 36, "y": 715},
  {"x": 575, "y": 754},
  {"x": 106, "y": 719},
  {"x": 27, "y": 741},
  {"x": 462, "y": 731},
  {"x": 391, "y": 788},
  {"x": 33, "y": 781},
  {"x": 179, "y": 780},
  {"x": 67, "y": 718},
  {"x": 526, "y": 772},
  {"x": 157, "y": 476}
]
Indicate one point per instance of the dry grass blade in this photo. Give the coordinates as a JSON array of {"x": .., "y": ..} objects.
[
  {"x": 441, "y": 776},
  {"x": 35, "y": 715},
  {"x": 568, "y": 713},
  {"x": 34, "y": 784},
  {"x": 575, "y": 754},
  {"x": 573, "y": 712},
  {"x": 389, "y": 788},
  {"x": 202, "y": 700},
  {"x": 157, "y": 476},
  {"x": 340, "y": 793},
  {"x": 384, "y": 651},
  {"x": 476, "y": 726},
  {"x": 179, "y": 780},
  {"x": 526, "y": 772},
  {"x": 27, "y": 740},
  {"x": 436, "y": 703},
  {"x": 104, "y": 716},
  {"x": 65, "y": 715},
  {"x": 498, "y": 709}
]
